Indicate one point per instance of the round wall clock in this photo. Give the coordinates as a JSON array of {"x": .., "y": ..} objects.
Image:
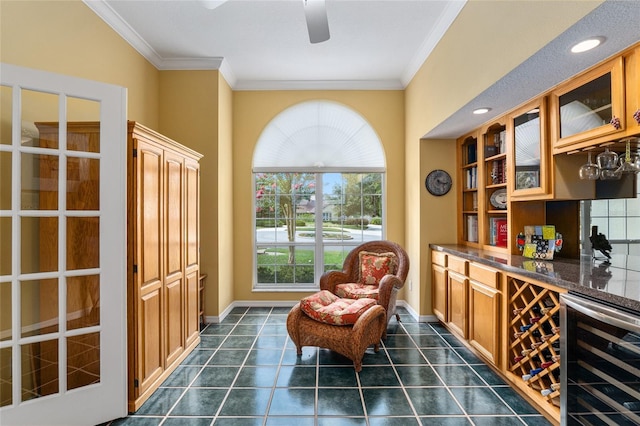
[{"x": 438, "y": 182}]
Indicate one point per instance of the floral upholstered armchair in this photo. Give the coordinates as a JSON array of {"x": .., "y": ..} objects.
[{"x": 376, "y": 270}]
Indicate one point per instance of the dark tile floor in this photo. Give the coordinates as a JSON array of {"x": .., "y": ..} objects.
[{"x": 245, "y": 372}]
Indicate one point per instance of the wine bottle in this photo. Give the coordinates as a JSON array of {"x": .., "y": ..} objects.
[{"x": 525, "y": 327}]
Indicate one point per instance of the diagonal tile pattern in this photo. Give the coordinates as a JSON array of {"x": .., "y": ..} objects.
[{"x": 246, "y": 372}]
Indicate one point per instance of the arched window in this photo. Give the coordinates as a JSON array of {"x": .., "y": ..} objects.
[{"x": 318, "y": 172}]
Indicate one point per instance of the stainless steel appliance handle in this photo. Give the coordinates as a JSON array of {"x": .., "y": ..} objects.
[{"x": 601, "y": 312}]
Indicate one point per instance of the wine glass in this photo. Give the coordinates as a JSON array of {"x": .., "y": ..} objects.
[
  {"x": 589, "y": 171},
  {"x": 628, "y": 164},
  {"x": 607, "y": 160}
]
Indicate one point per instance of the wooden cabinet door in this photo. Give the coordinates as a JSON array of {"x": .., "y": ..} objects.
[
  {"x": 173, "y": 256},
  {"x": 192, "y": 244},
  {"x": 457, "y": 292},
  {"x": 149, "y": 358},
  {"x": 484, "y": 319},
  {"x": 439, "y": 294}
]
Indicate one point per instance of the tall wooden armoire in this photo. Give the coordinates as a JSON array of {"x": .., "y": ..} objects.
[
  {"x": 163, "y": 258},
  {"x": 163, "y": 252}
]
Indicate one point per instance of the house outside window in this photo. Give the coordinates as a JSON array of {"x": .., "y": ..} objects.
[{"x": 316, "y": 200}]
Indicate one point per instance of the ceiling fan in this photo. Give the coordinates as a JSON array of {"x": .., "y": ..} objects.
[{"x": 315, "y": 12}]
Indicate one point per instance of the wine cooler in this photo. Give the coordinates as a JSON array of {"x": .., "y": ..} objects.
[{"x": 600, "y": 363}]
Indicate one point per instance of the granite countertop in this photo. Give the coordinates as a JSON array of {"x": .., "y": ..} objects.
[{"x": 616, "y": 281}]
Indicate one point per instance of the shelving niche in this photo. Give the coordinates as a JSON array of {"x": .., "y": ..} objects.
[{"x": 534, "y": 342}]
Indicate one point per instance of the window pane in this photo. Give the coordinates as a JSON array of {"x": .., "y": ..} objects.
[
  {"x": 39, "y": 182},
  {"x": 6, "y": 380},
  {"x": 83, "y": 179},
  {"x": 39, "y": 369},
  {"x": 39, "y": 307},
  {"x": 39, "y": 249},
  {"x": 83, "y": 360},
  {"x": 295, "y": 220},
  {"x": 83, "y": 301},
  {"x": 83, "y": 128},
  {"x": 5, "y": 246},
  {"x": 6, "y": 111},
  {"x": 5, "y": 178},
  {"x": 5, "y": 314},
  {"x": 83, "y": 242},
  {"x": 43, "y": 133},
  {"x": 286, "y": 265}
]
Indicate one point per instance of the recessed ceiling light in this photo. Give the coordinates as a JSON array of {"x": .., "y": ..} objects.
[
  {"x": 483, "y": 110},
  {"x": 588, "y": 44}
]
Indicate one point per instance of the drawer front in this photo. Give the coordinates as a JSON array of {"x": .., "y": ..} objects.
[
  {"x": 457, "y": 264},
  {"x": 438, "y": 258},
  {"x": 483, "y": 274}
]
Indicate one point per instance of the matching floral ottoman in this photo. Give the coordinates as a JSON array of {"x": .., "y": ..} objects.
[{"x": 346, "y": 326}]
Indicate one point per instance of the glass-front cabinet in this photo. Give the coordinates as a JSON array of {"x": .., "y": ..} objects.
[
  {"x": 529, "y": 157},
  {"x": 590, "y": 107}
]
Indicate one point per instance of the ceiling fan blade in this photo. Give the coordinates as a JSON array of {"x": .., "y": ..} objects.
[
  {"x": 317, "y": 23},
  {"x": 212, "y": 4}
]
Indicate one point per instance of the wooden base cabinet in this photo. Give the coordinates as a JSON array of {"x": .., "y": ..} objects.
[
  {"x": 162, "y": 259},
  {"x": 439, "y": 285},
  {"x": 510, "y": 322}
]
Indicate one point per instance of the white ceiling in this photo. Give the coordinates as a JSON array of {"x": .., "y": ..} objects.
[
  {"x": 264, "y": 44},
  {"x": 374, "y": 44}
]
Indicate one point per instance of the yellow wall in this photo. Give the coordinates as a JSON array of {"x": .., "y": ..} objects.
[
  {"x": 189, "y": 114},
  {"x": 66, "y": 37},
  {"x": 252, "y": 111}
]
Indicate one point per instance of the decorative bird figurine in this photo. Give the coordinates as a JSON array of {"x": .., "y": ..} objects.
[{"x": 599, "y": 242}]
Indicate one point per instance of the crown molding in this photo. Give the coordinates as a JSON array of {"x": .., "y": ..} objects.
[
  {"x": 247, "y": 85},
  {"x": 111, "y": 18},
  {"x": 452, "y": 9}
]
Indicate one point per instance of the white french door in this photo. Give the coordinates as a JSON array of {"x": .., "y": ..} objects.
[{"x": 62, "y": 250}]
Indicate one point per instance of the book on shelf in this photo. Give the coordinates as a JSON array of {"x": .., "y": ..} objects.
[
  {"x": 472, "y": 178},
  {"x": 498, "y": 231},
  {"x": 498, "y": 171},
  {"x": 472, "y": 153},
  {"x": 472, "y": 228}
]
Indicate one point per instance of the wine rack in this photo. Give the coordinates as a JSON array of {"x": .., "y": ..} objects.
[{"x": 534, "y": 341}]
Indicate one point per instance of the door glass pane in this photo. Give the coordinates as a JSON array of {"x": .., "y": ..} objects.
[
  {"x": 39, "y": 115},
  {"x": 83, "y": 301},
  {"x": 527, "y": 149},
  {"x": 5, "y": 246},
  {"x": 5, "y": 313},
  {"x": 39, "y": 182},
  {"x": 6, "y": 108},
  {"x": 39, "y": 362},
  {"x": 38, "y": 307},
  {"x": 83, "y": 125},
  {"x": 83, "y": 360},
  {"x": 39, "y": 244},
  {"x": 586, "y": 107},
  {"x": 5, "y": 178},
  {"x": 83, "y": 184},
  {"x": 6, "y": 379},
  {"x": 83, "y": 249}
]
